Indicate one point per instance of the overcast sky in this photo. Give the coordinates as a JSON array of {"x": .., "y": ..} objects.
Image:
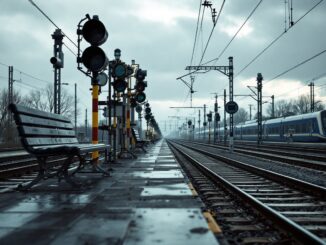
[{"x": 159, "y": 35}]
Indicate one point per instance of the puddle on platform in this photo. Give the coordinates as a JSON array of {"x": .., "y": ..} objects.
[
  {"x": 169, "y": 174},
  {"x": 180, "y": 189}
]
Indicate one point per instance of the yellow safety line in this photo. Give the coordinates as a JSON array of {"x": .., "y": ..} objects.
[
  {"x": 193, "y": 191},
  {"x": 212, "y": 225}
]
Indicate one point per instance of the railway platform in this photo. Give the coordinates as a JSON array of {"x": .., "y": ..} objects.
[{"x": 144, "y": 201}]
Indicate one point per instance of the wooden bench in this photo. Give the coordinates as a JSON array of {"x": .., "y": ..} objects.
[
  {"x": 139, "y": 143},
  {"x": 45, "y": 135}
]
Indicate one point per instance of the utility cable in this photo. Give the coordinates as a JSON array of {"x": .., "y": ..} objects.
[
  {"x": 48, "y": 18},
  {"x": 234, "y": 36},
  {"x": 193, "y": 48},
  {"x": 210, "y": 35},
  {"x": 277, "y": 38},
  {"x": 297, "y": 65}
]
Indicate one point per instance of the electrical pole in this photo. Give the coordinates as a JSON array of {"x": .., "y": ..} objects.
[
  {"x": 250, "y": 105},
  {"x": 259, "y": 106},
  {"x": 86, "y": 123},
  {"x": 228, "y": 71},
  {"x": 312, "y": 96},
  {"x": 76, "y": 108},
  {"x": 215, "y": 116},
  {"x": 225, "y": 128},
  {"x": 205, "y": 123},
  {"x": 10, "y": 91},
  {"x": 57, "y": 61},
  {"x": 273, "y": 107},
  {"x": 199, "y": 124},
  {"x": 231, "y": 99}
]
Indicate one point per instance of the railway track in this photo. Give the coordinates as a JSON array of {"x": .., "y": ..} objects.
[
  {"x": 295, "y": 157},
  {"x": 23, "y": 168},
  {"x": 291, "y": 206}
]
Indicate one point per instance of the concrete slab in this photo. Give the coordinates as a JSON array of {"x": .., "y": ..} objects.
[
  {"x": 154, "y": 226},
  {"x": 145, "y": 201}
]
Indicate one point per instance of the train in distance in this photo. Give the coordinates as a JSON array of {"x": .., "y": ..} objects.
[{"x": 310, "y": 127}]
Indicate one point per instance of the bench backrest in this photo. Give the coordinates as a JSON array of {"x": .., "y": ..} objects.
[{"x": 39, "y": 128}]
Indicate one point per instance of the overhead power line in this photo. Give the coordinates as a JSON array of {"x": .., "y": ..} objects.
[
  {"x": 277, "y": 38},
  {"x": 193, "y": 48},
  {"x": 210, "y": 35},
  {"x": 207, "y": 62},
  {"x": 237, "y": 32},
  {"x": 297, "y": 65},
  {"x": 49, "y": 19}
]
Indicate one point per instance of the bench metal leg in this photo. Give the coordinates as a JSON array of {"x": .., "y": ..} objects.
[
  {"x": 66, "y": 174},
  {"x": 97, "y": 168},
  {"x": 41, "y": 175}
]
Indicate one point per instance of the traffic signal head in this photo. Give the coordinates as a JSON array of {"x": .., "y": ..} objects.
[
  {"x": 140, "y": 86},
  {"x": 95, "y": 32},
  {"x": 140, "y": 97},
  {"x": 119, "y": 70},
  {"x": 148, "y": 110},
  {"x": 147, "y": 105},
  {"x": 120, "y": 85},
  {"x": 93, "y": 57},
  {"x": 139, "y": 108},
  {"x": 217, "y": 117},
  {"x": 148, "y": 116},
  {"x": 209, "y": 117},
  {"x": 141, "y": 74},
  {"x": 57, "y": 62},
  {"x": 189, "y": 123}
]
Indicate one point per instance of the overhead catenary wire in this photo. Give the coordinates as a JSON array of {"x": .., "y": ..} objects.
[
  {"x": 276, "y": 39},
  {"x": 236, "y": 33},
  {"x": 296, "y": 66},
  {"x": 49, "y": 19},
  {"x": 196, "y": 33},
  {"x": 210, "y": 35},
  {"x": 26, "y": 74}
]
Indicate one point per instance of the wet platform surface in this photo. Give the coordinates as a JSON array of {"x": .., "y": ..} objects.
[{"x": 144, "y": 201}]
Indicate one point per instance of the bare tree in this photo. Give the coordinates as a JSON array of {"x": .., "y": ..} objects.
[
  {"x": 7, "y": 129},
  {"x": 44, "y": 100},
  {"x": 240, "y": 116},
  {"x": 301, "y": 105}
]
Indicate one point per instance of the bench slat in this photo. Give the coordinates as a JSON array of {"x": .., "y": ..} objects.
[
  {"x": 36, "y": 131},
  {"x": 48, "y": 141},
  {"x": 34, "y": 112},
  {"x": 24, "y": 119}
]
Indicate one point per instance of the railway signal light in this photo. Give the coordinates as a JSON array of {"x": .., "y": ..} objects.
[
  {"x": 120, "y": 85},
  {"x": 140, "y": 86},
  {"x": 189, "y": 123},
  {"x": 209, "y": 117},
  {"x": 148, "y": 116},
  {"x": 57, "y": 62},
  {"x": 120, "y": 70},
  {"x": 148, "y": 110},
  {"x": 139, "y": 108},
  {"x": 217, "y": 117},
  {"x": 93, "y": 57},
  {"x": 140, "y": 97}
]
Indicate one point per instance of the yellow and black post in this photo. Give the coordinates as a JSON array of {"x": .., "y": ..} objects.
[{"x": 95, "y": 92}]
